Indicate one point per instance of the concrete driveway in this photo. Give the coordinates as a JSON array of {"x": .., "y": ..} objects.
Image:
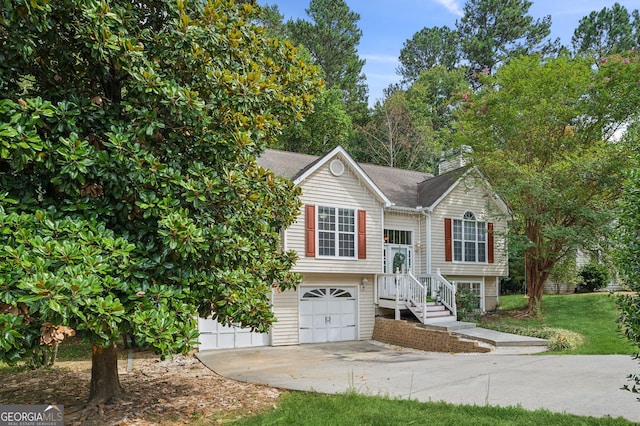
[{"x": 586, "y": 385}]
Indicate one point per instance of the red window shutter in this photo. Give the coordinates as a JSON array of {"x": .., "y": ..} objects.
[
  {"x": 362, "y": 234},
  {"x": 448, "y": 242},
  {"x": 310, "y": 230},
  {"x": 490, "y": 242}
]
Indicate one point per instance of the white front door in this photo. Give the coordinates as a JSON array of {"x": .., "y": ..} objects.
[
  {"x": 328, "y": 314},
  {"x": 398, "y": 258}
]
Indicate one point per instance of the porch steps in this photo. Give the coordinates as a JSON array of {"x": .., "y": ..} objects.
[{"x": 435, "y": 312}]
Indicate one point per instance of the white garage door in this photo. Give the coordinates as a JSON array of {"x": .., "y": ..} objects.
[
  {"x": 328, "y": 314},
  {"x": 214, "y": 335}
]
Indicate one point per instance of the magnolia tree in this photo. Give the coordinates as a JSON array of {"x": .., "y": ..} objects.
[
  {"x": 130, "y": 196},
  {"x": 542, "y": 131}
]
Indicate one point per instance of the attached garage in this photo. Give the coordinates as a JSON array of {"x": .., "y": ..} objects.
[
  {"x": 214, "y": 335},
  {"x": 328, "y": 314}
]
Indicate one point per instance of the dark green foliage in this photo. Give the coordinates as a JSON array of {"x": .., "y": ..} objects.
[
  {"x": 467, "y": 305},
  {"x": 130, "y": 196},
  {"x": 628, "y": 258},
  {"x": 558, "y": 172},
  {"x": 612, "y": 30},
  {"x": 492, "y": 31},
  {"x": 327, "y": 126},
  {"x": 332, "y": 37},
  {"x": 428, "y": 48},
  {"x": 594, "y": 277}
]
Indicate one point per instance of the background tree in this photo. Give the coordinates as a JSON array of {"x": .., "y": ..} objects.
[
  {"x": 392, "y": 138},
  {"x": 491, "y": 31},
  {"x": 540, "y": 131},
  {"x": 608, "y": 31},
  {"x": 332, "y": 37},
  {"x": 271, "y": 18},
  {"x": 131, "y": 199},
  {"x": 432, "y": 102},
  {"x": 428, "y": 48},
  {"x": 326, "y": 127}
]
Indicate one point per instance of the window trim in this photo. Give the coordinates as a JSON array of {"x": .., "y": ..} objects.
[
  {"x": 460, "y": 242},
  {"x": 337, "y": 232}
]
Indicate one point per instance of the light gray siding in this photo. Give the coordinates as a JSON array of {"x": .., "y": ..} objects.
[
  {"x": 286, "y": 305},
  {"x": 286, "y": 328},
  {"x": 481, "y": 202},
  {"x": 324, "y": 189}
]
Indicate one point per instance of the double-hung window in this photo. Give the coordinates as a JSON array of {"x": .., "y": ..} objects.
[
  {"x": 336, "y": 232},
  {"x": 469, "y": 239}
]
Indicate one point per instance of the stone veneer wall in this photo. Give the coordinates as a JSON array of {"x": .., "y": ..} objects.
[{"x": 411, "y": 335}]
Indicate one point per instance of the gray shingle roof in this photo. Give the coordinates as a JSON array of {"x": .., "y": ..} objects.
[
  {"x": 429, "y": 191},
  {"x": 287, "y": 164},
  {"x": 405, "y": 188}
]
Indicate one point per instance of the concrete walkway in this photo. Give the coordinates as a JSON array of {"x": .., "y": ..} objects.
[
  {"x": 582, "y": 385},
  {"x": 497, "y": 339}
]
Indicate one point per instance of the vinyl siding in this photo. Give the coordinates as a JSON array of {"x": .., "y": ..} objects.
[
  {"x": 366, "y": 309},
  {"x": 286, "y": 305},
  {"x": 324, "y": 189},
  {"x": 479, "y": 201},
  {"x": 491, "y": 293}
]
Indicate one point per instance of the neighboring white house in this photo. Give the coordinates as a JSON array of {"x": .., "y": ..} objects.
[{"x": 377, "y": 240}]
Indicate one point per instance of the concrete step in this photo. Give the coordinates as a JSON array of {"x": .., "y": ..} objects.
[
  {"x": 498, "y": 338},
  {"x": 451, "y": 325}
]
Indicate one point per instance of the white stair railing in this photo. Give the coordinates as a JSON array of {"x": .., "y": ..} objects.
[
  {"x": 417, "y": 296},
  {"x": 446, "y": 292},
  {"x": 412, "y": 292}
]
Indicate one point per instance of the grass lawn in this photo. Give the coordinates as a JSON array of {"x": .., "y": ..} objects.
[
  {"x": 593, "y": 315},
  {"x": 350, "y": 409}
]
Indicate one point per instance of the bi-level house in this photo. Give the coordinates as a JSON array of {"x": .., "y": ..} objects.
[{"x": 374, "y": 240}]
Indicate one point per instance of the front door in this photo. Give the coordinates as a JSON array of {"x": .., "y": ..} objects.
[{"x": 398, "y": 258}]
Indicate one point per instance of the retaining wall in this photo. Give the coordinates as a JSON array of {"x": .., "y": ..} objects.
[{"x": 413, "y": 335}]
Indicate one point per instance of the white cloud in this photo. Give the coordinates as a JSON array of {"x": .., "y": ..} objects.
[
  {"x": 381, "y": 59},
  {"x": 452, "y": 6}
]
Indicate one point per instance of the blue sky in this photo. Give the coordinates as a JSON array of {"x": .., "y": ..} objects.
[{"x": 387, "y": 24}]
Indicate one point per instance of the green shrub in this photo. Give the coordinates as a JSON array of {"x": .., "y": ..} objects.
[
  {"x": 594, "y": 277},
  {"x": 467, "y": 305}
]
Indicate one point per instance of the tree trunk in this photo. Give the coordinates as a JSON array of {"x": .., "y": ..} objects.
[
  {"x": 536, "y": 278},
  {"x": 105, "y": 383}
]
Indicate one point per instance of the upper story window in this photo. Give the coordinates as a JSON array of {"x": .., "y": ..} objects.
[
  {"x": 469, "y": 239},
  {"x": 336, "y": 232}
]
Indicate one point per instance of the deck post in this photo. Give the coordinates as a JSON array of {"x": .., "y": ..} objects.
[{"x": 398, "y": 294}]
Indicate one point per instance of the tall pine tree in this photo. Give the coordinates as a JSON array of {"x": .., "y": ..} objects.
[{"x": 332, "y": 38}]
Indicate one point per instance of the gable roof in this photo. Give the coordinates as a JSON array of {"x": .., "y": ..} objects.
[
  {"x": 396, "y": 187},
  {"x": 399, "y": 185},
  {"x": 299, "y": 167}
]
